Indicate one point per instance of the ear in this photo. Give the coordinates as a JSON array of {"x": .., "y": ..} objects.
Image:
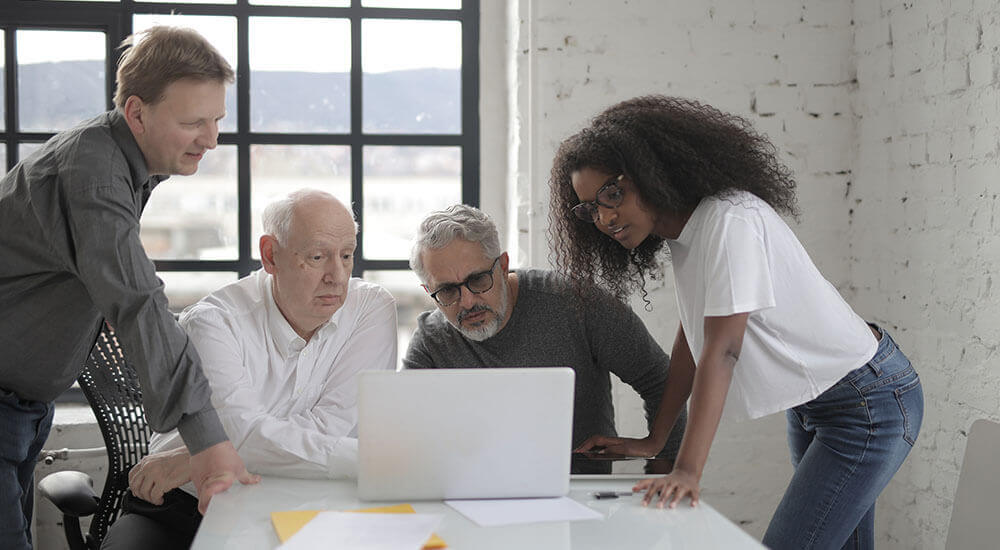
[
  {"x": 504, "y": 262},
  {"x": 267, "y": 245},
  {"x": 135, "y": 111}
]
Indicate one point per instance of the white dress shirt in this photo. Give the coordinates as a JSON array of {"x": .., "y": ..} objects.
[{"x": 289, "y": 406}]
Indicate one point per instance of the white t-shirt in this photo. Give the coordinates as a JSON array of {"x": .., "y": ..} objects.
[
  {"x": 736, "y": 255},
  {"x": 289, "y": 406}
]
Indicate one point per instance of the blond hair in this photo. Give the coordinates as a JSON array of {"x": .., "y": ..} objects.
[{"x": 157, "y": 57}]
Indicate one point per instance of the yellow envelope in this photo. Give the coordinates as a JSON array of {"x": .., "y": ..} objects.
[{"x": 288, "y": 523}]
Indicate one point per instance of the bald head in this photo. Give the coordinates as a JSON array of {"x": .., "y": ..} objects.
[
  {"x": 279, "y": 215},
  {"x": 308, "y": 248}
]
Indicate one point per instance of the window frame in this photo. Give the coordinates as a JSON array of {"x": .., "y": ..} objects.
[{"x": 115, "y": 19}]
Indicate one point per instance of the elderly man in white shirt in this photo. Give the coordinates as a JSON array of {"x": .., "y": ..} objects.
[{"x": 282, "y": 349}]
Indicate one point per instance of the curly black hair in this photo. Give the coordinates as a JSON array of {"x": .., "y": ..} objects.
[{"x": 676, "y": 152}]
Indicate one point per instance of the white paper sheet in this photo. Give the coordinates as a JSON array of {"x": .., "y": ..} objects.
[
  {"x": 509, "y": 511},
  {"x": 364, "y": 531}
]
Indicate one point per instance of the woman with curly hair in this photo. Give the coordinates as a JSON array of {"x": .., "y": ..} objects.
[{"x": 761, "y": 330}]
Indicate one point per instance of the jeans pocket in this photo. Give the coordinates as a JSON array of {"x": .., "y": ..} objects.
[{"x": 910, "y": 398}]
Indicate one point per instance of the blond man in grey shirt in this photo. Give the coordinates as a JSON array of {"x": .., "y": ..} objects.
[{"x": 72, "y": 259}]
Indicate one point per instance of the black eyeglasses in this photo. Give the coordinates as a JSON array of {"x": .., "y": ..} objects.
[
  {"x": 610, "y": 195},
  {"x": 477, "y": 283}
]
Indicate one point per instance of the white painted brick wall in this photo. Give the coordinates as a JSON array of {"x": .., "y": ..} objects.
[
  {"x": 889, "y": 113},
  {"x": 924, "y": 266}
]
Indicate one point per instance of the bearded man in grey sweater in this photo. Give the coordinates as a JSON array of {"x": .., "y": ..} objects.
[{"x": 490, "y": 316}]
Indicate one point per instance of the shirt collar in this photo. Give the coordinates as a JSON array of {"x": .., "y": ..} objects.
[
  {"x": 285, "y": 339},
  {"x": 122, "y": 135}
]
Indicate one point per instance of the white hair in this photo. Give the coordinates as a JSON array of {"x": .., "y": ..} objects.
[
  {"x": 277, "y": 216},
  {"x": 442, "y": 227}
]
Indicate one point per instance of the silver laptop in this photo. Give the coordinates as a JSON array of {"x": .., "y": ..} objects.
[{"x": 465, "y": 433}]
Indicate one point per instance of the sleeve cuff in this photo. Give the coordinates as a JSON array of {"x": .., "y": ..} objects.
[
  {"x": 343, "y": 461},
  {"x": 201, "y": 430}
]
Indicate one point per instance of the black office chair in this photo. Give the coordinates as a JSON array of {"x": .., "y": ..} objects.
[{"x": 111, "y": 386}]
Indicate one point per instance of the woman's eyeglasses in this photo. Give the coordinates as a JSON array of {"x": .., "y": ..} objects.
[{"x": 610, "y": 195}]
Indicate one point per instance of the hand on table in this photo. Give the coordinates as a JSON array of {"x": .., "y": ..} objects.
[
  {"x": 214, "y": 469},
  {"x": 672, "y": 487},
  {"x": 158, "y": 473}
]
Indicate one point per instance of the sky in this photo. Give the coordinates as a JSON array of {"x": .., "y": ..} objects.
[{"x": 281, "y": 43}]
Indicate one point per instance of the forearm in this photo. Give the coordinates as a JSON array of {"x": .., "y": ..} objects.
[
  {"x": 111, "y": 263},
  {"x": 302, "y": 454},
  {"x": 676, "y": 391},
  {"x": 675, "y": 395},
  {"x": 711, "y": 384}
]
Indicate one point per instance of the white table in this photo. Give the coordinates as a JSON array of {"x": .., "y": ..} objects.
[{"x": 240, "y": 520}]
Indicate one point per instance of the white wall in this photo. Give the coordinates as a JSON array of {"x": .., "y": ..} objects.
[{"x": 924, "y": 234}]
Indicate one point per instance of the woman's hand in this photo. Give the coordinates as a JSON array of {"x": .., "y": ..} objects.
[
  {"x": 625, "y": 446},
  {"x": 672, "y": 487}
]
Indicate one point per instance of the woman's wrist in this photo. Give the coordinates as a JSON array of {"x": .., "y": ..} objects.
[{"x": 682, "y": 467}]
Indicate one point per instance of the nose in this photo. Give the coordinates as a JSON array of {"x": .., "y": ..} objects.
[
  {"x": 467, "y": 299},
  {"x": 336, "y": 271},
  {"x": 210, "y": 136},
  {"x": 606, "y": 216}
]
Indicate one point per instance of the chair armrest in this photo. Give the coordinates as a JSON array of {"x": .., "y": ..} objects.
[{"x": 72, "y": 492}]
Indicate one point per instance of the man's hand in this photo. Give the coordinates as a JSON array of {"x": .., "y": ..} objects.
[
  {"x": 214, "y": 469},
  {"x": 158, "y": 473},
  {"x": 625, "y": 446},
  {"x": 673, "y": 487}
]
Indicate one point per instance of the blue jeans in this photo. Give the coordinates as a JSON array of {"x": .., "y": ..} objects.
[
  {"x": 24, "y": 427},
  {"x": 846, "y": 444}
]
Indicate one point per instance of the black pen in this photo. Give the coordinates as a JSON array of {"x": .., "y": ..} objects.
[{"x": 599, "y": 495}]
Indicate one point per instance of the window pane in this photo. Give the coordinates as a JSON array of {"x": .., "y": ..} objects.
[
  {"x": 412, "y": 76},
  {"x": 185, "y": 288},
  {"x": 402, "y": 185},
  {"x": 277, "y": 170},
  {"x": 411, "y": 300},
  {"x": 61, "y": 78},
  {"x": 414, "y": 4},
  {"x": 219, "y": 31},
  {"x": 194, "y": 217},
  {"x": 3, "y": 157},
  {"x": 300, "y": 74},
  {"x": 25, "y": 149},
  {"x": 321, "y": 3}
]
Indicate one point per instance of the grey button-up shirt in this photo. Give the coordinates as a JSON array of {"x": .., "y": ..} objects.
[{"x": 70, "y": 256}]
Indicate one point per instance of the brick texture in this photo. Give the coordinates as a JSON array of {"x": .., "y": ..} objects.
[{"x": 888, "y": 111}]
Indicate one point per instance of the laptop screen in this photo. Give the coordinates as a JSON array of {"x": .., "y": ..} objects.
[{"x": 465, "y": 433}]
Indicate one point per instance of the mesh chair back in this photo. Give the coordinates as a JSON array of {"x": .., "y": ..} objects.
[{"x": 112, "y": 388}]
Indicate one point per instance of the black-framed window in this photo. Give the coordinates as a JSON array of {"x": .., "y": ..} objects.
[{"x": 375, "y": 101}]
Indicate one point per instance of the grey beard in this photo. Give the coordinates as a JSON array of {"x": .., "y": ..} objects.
[{"x": 490, "y": 329}]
